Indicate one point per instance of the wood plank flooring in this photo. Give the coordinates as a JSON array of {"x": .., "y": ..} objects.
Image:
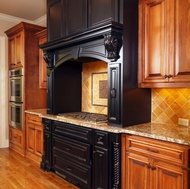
[{"x": 17, "y": 172}]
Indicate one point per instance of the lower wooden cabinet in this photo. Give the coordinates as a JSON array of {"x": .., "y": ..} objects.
[
  {"x": 153, "y": 164},
  {"x": 16, "y": 140},
  {"x": 34, "y": 137}
]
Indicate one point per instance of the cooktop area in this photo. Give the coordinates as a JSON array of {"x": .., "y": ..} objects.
[{"x": 85, "y": 116}]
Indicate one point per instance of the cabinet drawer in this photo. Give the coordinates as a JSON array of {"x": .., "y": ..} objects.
[
  {"x": 161, "y": 150},
  {"x": 73, "y": 131},
  {"x": 79, "y": 175},
  {"x": 101, "y": 139},
  {"x": 35, "y": 119},
  {"x": 16, "y": 137},
  {"x": 71, "y": 150}
]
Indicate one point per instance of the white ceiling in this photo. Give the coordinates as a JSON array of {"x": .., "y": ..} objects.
[{"x": 26, "y": 9}]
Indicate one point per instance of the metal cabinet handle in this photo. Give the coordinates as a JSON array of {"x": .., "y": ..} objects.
[{"x": 113, "y": 93}]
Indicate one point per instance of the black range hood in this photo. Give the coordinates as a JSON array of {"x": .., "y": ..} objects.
[{"x": 112, "y": 42}]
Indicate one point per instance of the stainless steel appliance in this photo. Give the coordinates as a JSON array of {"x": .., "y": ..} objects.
[
  {"x": 16, "y": 111},
  {"x": 16, "y": 78},
  {"x": 16, "y": 98}
]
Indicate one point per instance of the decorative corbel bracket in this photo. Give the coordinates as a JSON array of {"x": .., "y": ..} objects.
[
  {"x": 48, "y": 57},
  {"x": 113, "y": 44}
]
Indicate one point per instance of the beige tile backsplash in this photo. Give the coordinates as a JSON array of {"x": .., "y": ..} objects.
[
  {"x": 170, "y": 104},
  {"x": 167, "y": 104},
  {"x": 88, "y": 70}
]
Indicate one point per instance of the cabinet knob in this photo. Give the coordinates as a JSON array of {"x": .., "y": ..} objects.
[
  {"x": 153, "y": 168},
  {"x": 149, "y": 166}
]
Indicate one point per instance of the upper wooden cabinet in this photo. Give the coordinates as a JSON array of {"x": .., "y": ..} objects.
[
  {"x": 42, "y": 35},
  {"x": 164, "y": 43},
  {"x": 16, "y": 46},
  {"x": 70, "y": 16},
  {"x": 22, "y": 44}
]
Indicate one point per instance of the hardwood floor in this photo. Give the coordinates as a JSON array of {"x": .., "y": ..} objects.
[{"x": 17, "y": 172}]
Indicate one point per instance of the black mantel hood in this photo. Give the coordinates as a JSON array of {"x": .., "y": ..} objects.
[
  {"x": 109, "y": 41},
  {"x": 110, "y": 32}
]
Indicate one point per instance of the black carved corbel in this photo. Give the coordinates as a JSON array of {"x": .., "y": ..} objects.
[
  {"x": 112, "y": 45},
  {"x": 48, "y": 57}
]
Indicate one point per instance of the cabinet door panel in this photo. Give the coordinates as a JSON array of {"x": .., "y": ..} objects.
[
  {"x": 55, "y": 20},
  {"x": 114, "y": 93},
  {"x": 182, "y": 42},
  {"x": 100, "y": 168},
  {"x": 153, "y": 45},
  {"x": 170, "y": 177},
  {"x": 100, "y": 11},
  {"x": 38, "y": 141},
  {"x": 30, "y": 138},
  {"x": 76, "y": 16},
  {"x": 137, "y": 172},
  {"x": 19, "y": 49}
]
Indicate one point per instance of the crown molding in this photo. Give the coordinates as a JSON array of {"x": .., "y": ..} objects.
[
  {"x": 8, "y": 18},
  {"x": 13, "y": 19},
  {"x": 41, "y": 21}
]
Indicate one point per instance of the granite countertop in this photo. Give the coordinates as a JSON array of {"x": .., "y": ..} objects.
[{"x": 172, "y": 133}]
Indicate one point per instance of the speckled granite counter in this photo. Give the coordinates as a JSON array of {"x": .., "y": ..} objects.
[{"x": 171, "y": 133}]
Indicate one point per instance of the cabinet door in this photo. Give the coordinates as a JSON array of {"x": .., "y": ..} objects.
[
  {"x": 182, "y": 41},
  {"x": 55, "y": 20},
  {"x": 38, "y": 141},
  {"x": 30, "y": 138},
  {"x": 154, "y": 44},
  {"x": 114, "y": 94},
  {"x": 169, "y": 176},
  {"x": 16, "y": 51},
  {"x": 42, "y": 64},
  {"x": 137, "y": 172},
  {"x": 75, "y": 16},
  {"x": 101, "y": 168},
  {"x": 101, "y": 11}
]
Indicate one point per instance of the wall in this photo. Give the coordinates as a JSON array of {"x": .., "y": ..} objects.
[
  {"x": 7, "y": 22},
  {"x": 170, "y": 104}
]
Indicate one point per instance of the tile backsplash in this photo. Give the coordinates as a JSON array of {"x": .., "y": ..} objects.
[
  {"x": 170, "y": 104},
  {"x": 94, "y": 76}
]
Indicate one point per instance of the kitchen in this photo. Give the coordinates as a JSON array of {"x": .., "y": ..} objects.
[{"x": 161, "y": 98}]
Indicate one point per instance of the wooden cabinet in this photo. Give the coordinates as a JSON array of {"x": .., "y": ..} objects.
[
  {"x": 24, "y": 53},
  {"x": 71, "y": 17},
  {"x": 17, "y": 140},
  {"x": 34, "y": 137},
  {"x": 42, "y": 36},
  {"x": 16, "y": 47},
  {"x": 163, "y": 43},
  {"x": 149, "y": 163},
  {"x": 88, "y": 158}
]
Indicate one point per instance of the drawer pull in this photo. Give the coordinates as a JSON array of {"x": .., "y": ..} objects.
[
  {"x": 67, "y": 148},
  {"x": 69, "y": 168},
  {"x": 154, "y": 151}
]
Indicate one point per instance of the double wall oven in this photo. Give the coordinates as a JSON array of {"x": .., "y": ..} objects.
[{"x": 16, "y": 98}]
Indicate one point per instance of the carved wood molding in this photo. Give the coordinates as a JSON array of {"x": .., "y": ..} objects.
[
  {"x": 48, "y": 57},
  {"x": 112, "y": 43}
]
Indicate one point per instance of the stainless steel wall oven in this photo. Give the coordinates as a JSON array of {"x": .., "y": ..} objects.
[{"x": 16, "y": 98}]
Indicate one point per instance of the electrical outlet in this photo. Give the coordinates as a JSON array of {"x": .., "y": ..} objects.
[{"x": 182, "y": 121}]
